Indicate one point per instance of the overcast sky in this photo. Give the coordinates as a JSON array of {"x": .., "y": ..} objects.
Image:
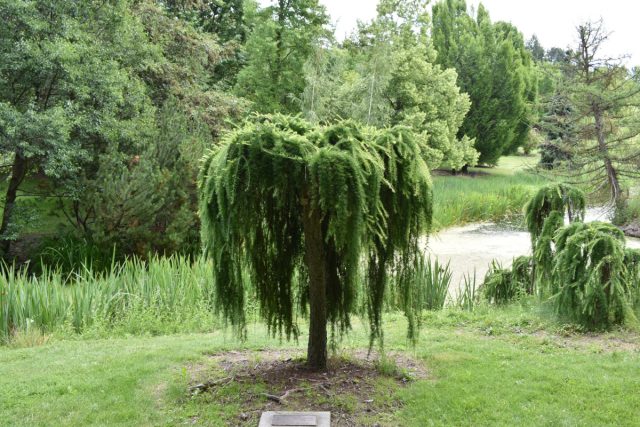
[{"x": 553, "y": 21}]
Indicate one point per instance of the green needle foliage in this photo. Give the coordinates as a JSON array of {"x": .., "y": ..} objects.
[
  {"x": 590, "y": 266},
  {"x": 592, "y": 278},
  {"x": 632, "y": 262},
  {"x": 544, "y": 216},
  {"x": 503, "y": 285},
  {"x": 281, "y": 202}
]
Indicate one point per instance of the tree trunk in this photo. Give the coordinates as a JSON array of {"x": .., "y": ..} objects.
[
  {"x": 315, "y": 260},
  {"x": 612, "y": 174},
  {"x": 280, "y": 28},
  {"x": 18, "y": 172}
]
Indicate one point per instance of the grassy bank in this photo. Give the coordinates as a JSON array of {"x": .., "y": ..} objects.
[
  {"x": 485, "y": 194},
  {"x": 506, "y": 366}
]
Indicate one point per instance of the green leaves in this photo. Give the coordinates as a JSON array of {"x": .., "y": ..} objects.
[
  {"x": 282, "y": 40},
  {"x": 583, "y": 267},
  {"x": 386, "y": 75},
  {"x": 373, "y": 194},
  {"x": 544, "y": 216}
]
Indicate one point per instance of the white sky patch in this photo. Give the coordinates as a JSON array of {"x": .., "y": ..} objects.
[{"x": 553, "y": 21}]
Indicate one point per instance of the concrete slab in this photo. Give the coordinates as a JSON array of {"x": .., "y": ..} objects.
[{"x": 295, "y": 419}]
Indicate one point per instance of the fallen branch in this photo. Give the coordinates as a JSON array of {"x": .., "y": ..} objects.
[
  {"x": 280, "y": 399},
  {"x": 206, "y": 386}
]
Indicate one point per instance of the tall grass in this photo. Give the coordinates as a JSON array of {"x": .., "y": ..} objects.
[
  {"x": 463, "y": 199},
  {"x": 435, "y": 279},
  {"x": 162, "y": 295},
  {"x": 468, "y": 296}
]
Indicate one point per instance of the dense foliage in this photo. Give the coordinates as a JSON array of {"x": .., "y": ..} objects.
[
  {"x": 106, "y": 109},
  {"x": 502, "y": 285},
  {"x": 544, "y": 216},
  {"x": 111, "y": 108},
  {"x": 297, "y": 209},
  {"x": 495, "y": 69},
  {"x": 593, "y": 281}
]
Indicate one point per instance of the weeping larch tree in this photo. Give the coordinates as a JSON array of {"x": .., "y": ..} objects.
[
  {"x": 316, "y": 218},
  {"x": 544, "y": 216}
]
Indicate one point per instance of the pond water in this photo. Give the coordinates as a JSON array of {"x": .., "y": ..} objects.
[{"x": 472, "y": 247}]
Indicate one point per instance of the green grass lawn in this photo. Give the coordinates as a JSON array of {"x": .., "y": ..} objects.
[
  {"x": 510, "y": 165},
  {"x": 492, "y": 367}
]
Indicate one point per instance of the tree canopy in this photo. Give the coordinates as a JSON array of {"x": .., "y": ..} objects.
[
  {"x": 291, "y": 212},
  {"x": 386, "y": 74},
  {"x": 84, "y": 95},
  {"x": 283, "y": 37},
  {"x": 495, "y": 69},
  {"x": 605, "y": 100}
]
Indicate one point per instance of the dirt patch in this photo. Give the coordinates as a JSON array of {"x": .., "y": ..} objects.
[
  {"x": 605, "y": 343},
  {"x": 358, "y": 390}
]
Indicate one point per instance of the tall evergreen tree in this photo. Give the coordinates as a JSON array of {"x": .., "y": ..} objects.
[
  {"x": 535, "y": 48},
  {"x": 283, "y": 38},
  {"x": 495, "y": 69},
  {"x": 606, "y": 100}
]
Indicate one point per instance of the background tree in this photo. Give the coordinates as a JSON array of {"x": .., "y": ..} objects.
[
  {"x": 605, "y": 98},
  {"x": 387, "y": 75},
  {"x": 61, "y": 92},
  {"x": 87, "y": 94},
  {"x": 560, "y": 132},
  {"x": 297, "y": 210},
  {"x": 556, "y": 55},
  {"x": 535, "y": 48},
  {"x": 495, "y": 69},
  {"x": 228, "y": 20},
  {"x": 284, "y": 36}
]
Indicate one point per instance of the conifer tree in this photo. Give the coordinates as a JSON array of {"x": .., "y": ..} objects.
[
  {"x": 495, "y": 69},
  {"x": 284, "y": 36},
  {"x": 293, "y": 213},
  {"x": 606, "y": 99}
]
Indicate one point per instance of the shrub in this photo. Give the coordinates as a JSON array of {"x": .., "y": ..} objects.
[
  {"x": 590, "y": 271},
  {"x": 632, "y": 263},
  {"x": 544, "y": 216},
  {"x": 503, "y": 285}
]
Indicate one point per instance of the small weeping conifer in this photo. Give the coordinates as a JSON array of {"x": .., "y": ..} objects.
[
  {"x": 595, "y": 289},
  {"x": 295, "y": 214},
  {"x": 584, "y": 267},
  {"x": 544, "y": 216}
]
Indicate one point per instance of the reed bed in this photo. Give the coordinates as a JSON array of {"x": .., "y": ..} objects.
[
  {"x": 460, "y": 200},
  {"x": 172, "y": 294}
]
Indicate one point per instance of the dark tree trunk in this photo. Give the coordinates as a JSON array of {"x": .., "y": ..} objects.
[
  {"x": 315, "y": 260},
  {"x": 612, "y": 174},
  {"x": 18, "y": 172},
  {"x": 282, "y": 11},
  {"x": 377, "y": 266}
]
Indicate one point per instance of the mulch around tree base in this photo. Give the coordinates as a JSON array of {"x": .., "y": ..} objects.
[{"x": 356, "y": 389}]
